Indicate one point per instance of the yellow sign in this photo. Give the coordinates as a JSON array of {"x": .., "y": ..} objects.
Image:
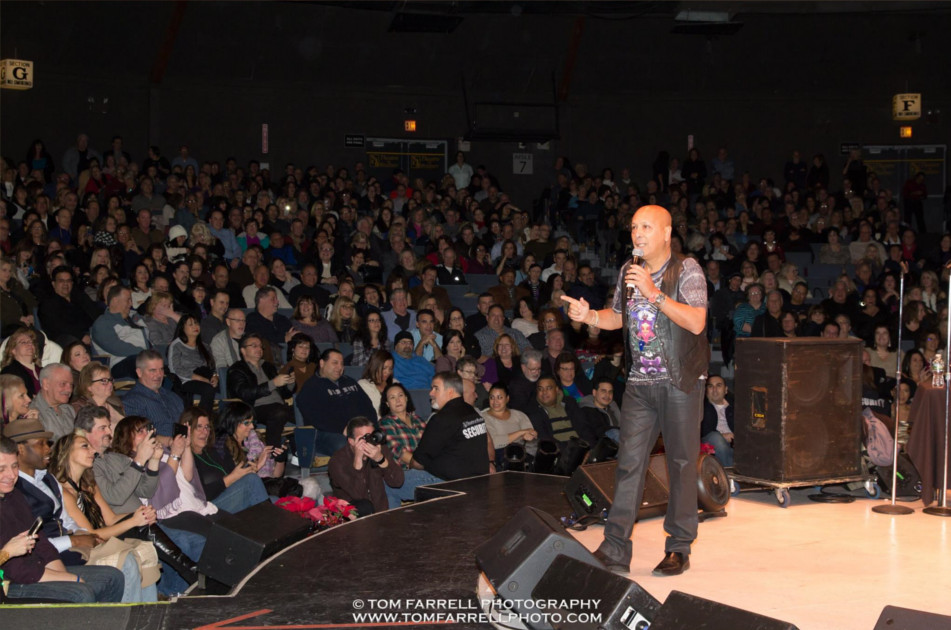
[
  {"x": 906, "y": 107},
  {"x": 16, "y": 74},
  {"x": 904, "y": 131},
  {"x": 409, "y": 125}
]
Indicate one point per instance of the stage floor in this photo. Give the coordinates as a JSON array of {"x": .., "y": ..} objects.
[{"x": 819, "y": 566}]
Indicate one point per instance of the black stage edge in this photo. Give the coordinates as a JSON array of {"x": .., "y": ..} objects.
[{"x": 422, "y": 551}]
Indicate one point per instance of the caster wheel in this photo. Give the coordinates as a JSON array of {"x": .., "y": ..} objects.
[
  {"x": 734, "y": 488},
  {"x": 872, "y": 490},
  {"x": 782, "y": 497}
]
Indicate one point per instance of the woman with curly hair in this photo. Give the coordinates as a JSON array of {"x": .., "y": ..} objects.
[{"x": 371, "y": 339}]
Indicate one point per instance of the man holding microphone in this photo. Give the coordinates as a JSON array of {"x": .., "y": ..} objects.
[{"x": 661, "y": 304}]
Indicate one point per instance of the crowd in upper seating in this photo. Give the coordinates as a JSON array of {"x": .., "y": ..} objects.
[{"x": 323, "y": 295}]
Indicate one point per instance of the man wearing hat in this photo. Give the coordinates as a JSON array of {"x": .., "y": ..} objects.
[
  {"x": 409, "y": 368},
  {"x": 42, "y": 491},
  {"x": 34, "y": 569}
]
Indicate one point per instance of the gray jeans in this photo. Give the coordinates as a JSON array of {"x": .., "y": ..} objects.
[{"x": 649, "y": 410}]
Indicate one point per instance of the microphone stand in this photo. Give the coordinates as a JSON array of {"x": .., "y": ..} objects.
[
  {"x": 893, "y": 508},
  {"x": 943, "y": 509}
]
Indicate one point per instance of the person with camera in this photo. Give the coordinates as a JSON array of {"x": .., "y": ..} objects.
[{"x": 361, "y": 470}]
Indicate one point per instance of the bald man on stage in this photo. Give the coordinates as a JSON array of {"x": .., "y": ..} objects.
[{"x": 660, "y": 303}]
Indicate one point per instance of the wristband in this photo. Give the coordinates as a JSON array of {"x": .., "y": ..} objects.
[
  {"x": 138, "y": 466},
  {"x": 176, "y": 458},
  {"x": 382, "y": 459}
]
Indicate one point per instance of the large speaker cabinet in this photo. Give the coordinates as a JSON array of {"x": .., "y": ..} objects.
[{"x": 797, "y": 408}]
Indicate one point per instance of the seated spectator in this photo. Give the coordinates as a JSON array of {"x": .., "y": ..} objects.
[
  {"x": 238, "y": 445},
  {"x": 507, "y": 426},
  {"x": 814, "y": 322},
  {"x": 308, "y": 286},
  {"x": 504, "y": 364},
  {"x": 214, "y": 322},
  {"x": 409, "y": 366},
  {"x": 883, "y": 354},
  {"x": 344, "y": 320},
  {"x": 70, "y": 459},
  {"x": 915, "y": 368},
  {"x": 20, "y": 358},
  {"x": 191, "y": 361},
  {"x": 302, "y": 360},
  {"x": 371, "y": 338},
  {"x": 270, "y": 325},
  {"x": 527, "y": 321},
  {"x": 307, "y": 320},
  {"x": 257, "y": 383},
  {"x": 538, "y": 291},
  {"x": 262, "y": 277},
  {"x": 548, "y": 318},
  {"x": 522, "y": 384},
  {"x": 478, "y": 320},
  {"x": 224, "y": 347},
  {"x": 598, "y": 415},
  {"x": 470, "y": 370},
  {"x": 15, "y": 401},
  {"x": 95, "y": 386},
  {"x": 456, "y": 320},
  {"x": 149, "y": 399},
  {"x": 377, "y": 376},
  {"x": 400, "y": 317},
  {"x": 426, "y": 340},
  {"x": 76, "y": 356},
  {"x": 767, "y": 324},
  {"x": 571, "y": 377},
  {"x": 428, "y": 286},
  {"x": 506, "y": 293},
  {"x": 548, "y": 413},
  {"x": 52, "y": 402},
  {"x": 789, "y": 324},
  {"x": 452, "y": 350},
  {"x": 403, "y": 429},
  {"x": 455, "y": 443},
  {"x": 371, "y": 301},
  {"x": 449, "y": 272},
  {"x": 120, "y": 333},
  {"x": 67, "y": 313},
  {"x": 746, "y": 312},
  {"x": 495, "y": 327},
  {"x": 588, "y": 288},
  {"x": 361, "y": 470},
  {"x": 716, "y": 429},
  {"x": 17, "y": 304},
  {"x": 329, "y": 399},
  {"x": 231, "y": 490},
  {"x": 34, "y": 569},
  {"x": 281, "y": 278},
  {"x": 161, "y": 319}
]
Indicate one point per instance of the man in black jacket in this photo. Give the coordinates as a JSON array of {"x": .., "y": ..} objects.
[
  {"x": 455, "y": 443},
  {"x": 257, "y": 383},
  {"x": 64, "y": 316},
  {"x": 716, "y": 429}
]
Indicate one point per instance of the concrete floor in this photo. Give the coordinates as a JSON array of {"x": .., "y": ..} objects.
[{"x": 820, "y": 566}]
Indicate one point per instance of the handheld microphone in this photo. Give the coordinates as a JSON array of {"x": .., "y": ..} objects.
[{"x": 637, "y": 256}]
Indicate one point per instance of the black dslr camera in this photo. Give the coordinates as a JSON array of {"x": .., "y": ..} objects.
[{"x": 376, "y": 438}]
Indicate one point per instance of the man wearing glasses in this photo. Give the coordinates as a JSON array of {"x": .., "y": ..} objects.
[
  {"x": 224, "y": 345},
  {"x": 64, "y": 319}
]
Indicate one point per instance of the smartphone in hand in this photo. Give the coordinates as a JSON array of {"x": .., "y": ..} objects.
[{"x": 35, "y": 528}]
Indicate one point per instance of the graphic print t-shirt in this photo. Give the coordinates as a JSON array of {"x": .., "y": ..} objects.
[{"x": 648, "y": 363}]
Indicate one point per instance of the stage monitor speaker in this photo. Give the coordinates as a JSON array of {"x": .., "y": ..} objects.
[
  {"x": 797, "y": 408},
  {"x": 607, "y": 600},
  {"x": 238, "y": 542},
  {"x": 681, "y": 610},
  {"x": 590, "y": 491},
  {"x": 517, "y": 556},
  {"x": 895, "y": 618}
]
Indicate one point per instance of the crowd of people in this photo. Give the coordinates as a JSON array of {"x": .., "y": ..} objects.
[{"x": 231, "y": 297}]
